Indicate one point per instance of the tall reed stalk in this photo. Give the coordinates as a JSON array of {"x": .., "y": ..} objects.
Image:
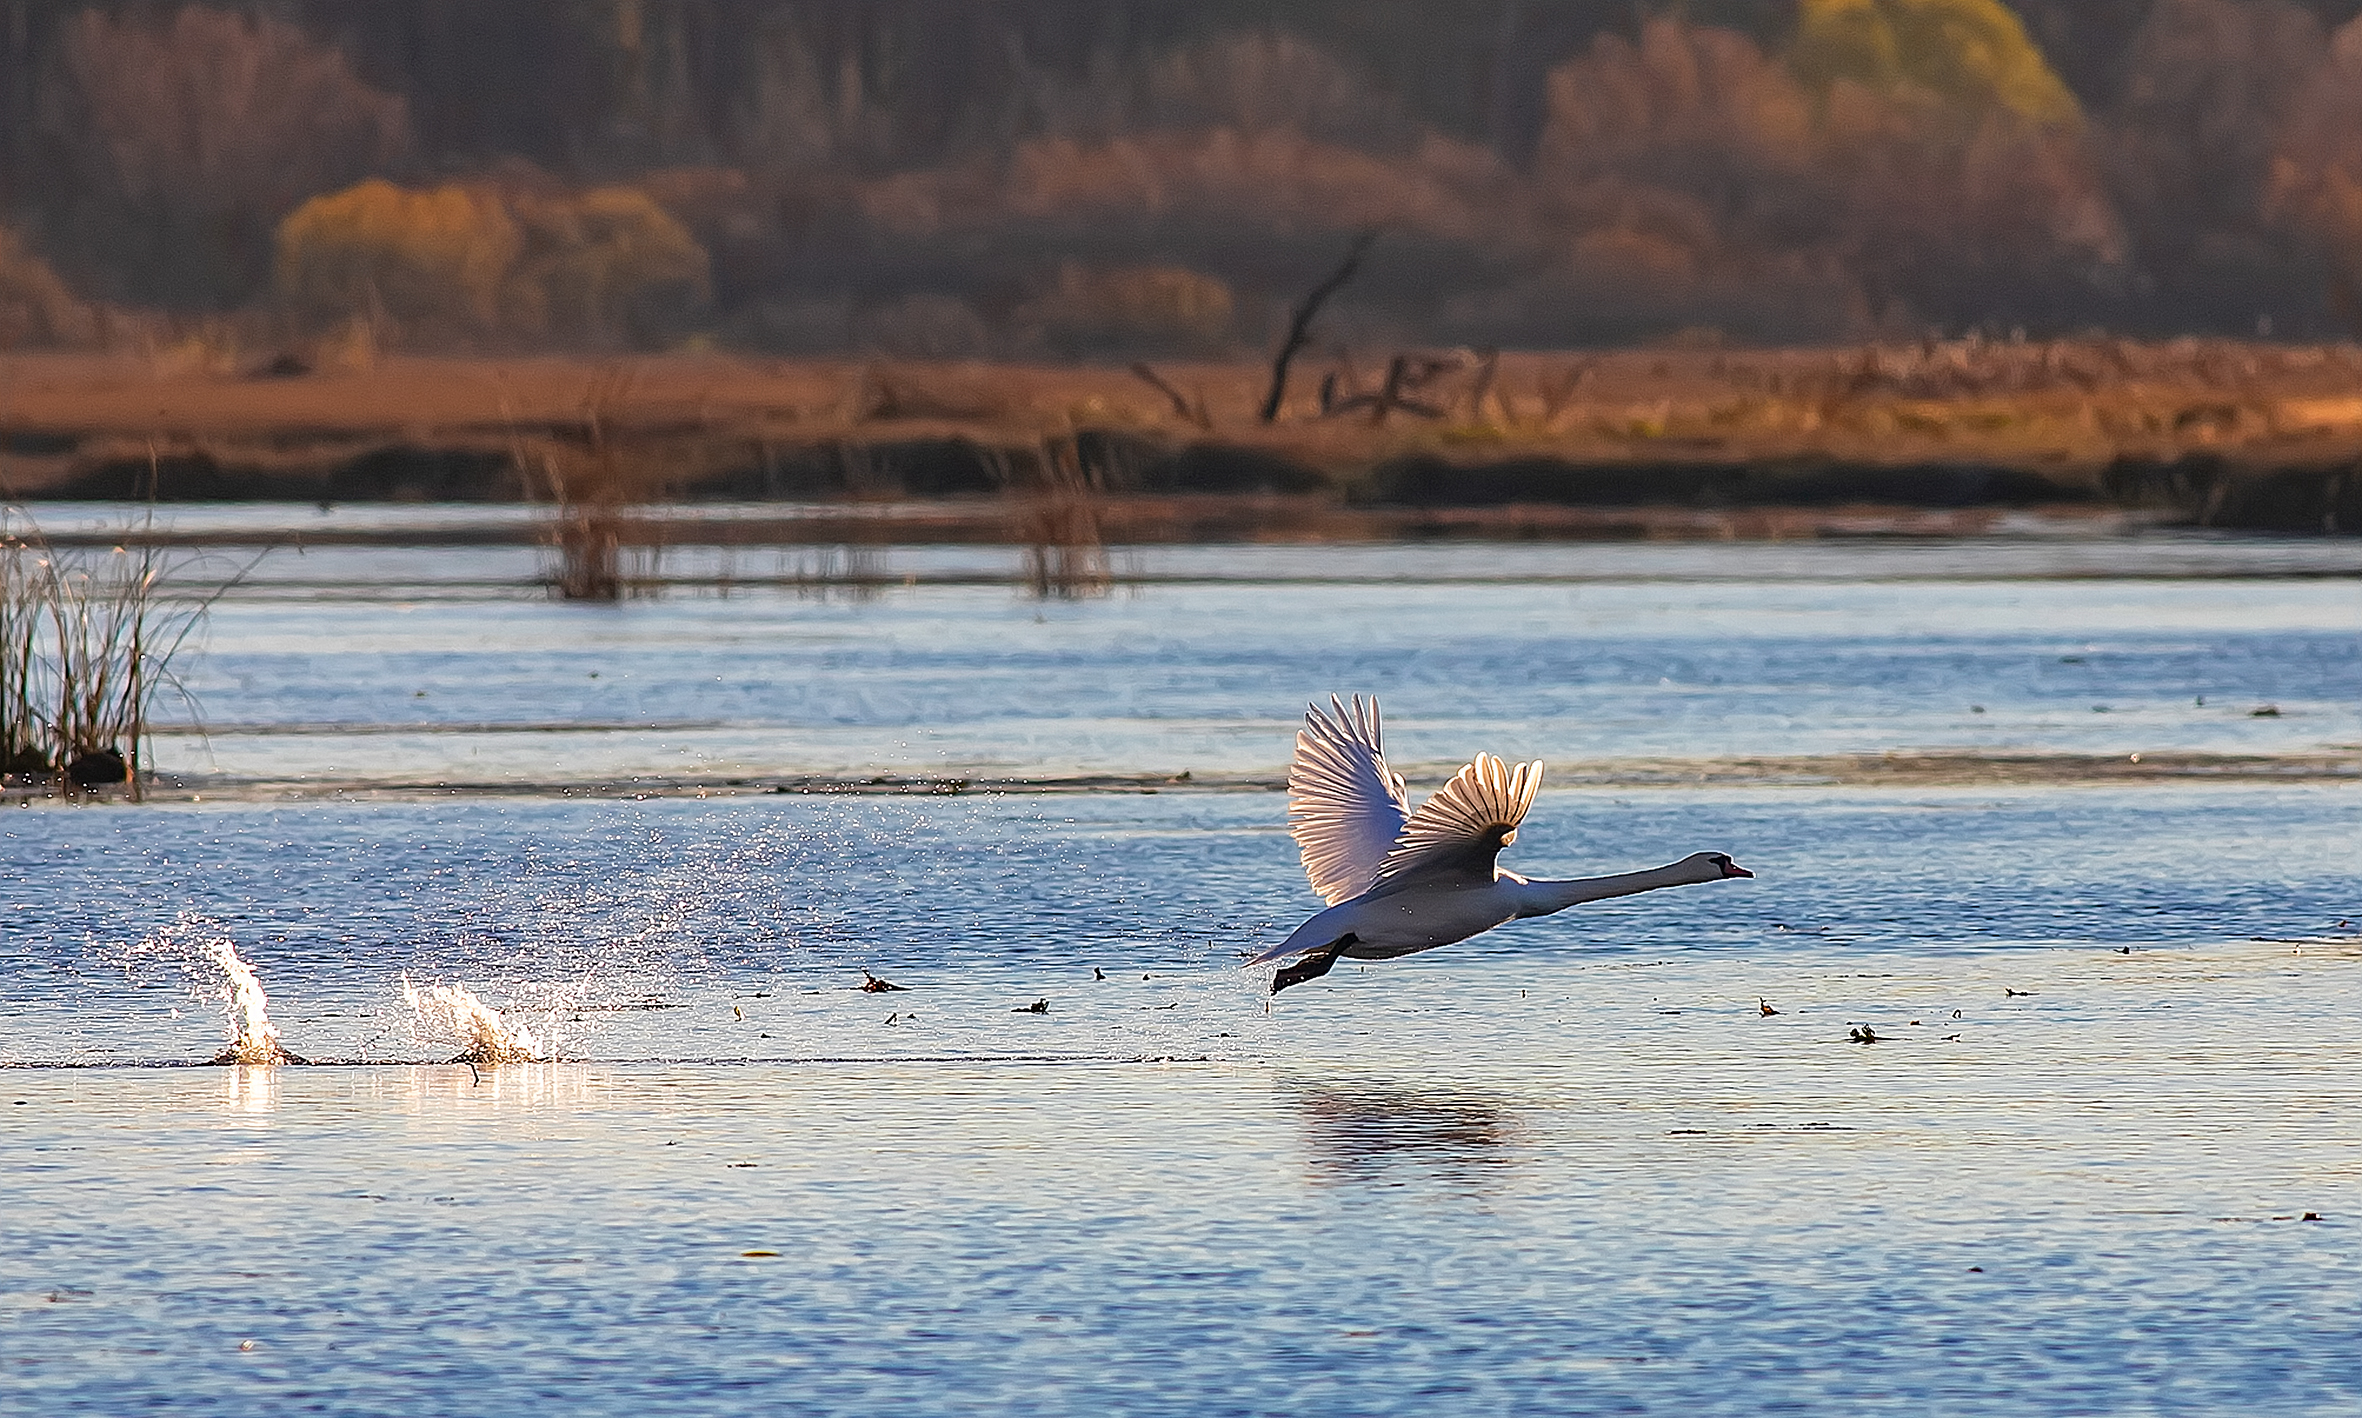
[{"x": 20, "y": 628}]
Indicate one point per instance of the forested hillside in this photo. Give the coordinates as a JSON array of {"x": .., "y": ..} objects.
[{"x": 1076, "y": 178}]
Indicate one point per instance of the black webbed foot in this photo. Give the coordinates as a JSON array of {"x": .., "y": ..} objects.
[{"x": 1310, "y": 967}]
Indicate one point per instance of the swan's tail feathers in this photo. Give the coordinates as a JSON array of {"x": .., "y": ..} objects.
[
  {"x": 1345, "y": 806},
  {"x": 1466, "y": 824}
]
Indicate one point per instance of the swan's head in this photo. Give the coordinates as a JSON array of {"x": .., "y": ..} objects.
[{"x": 1714, "y": 866}]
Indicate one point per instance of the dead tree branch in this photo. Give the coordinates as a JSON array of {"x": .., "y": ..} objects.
[
  {"x": 1488, "y": 363},
  {"x": 1300, "y": 322},
  {"x": 1406, "y": 374},
  {"x": 1181, "y": 406}
]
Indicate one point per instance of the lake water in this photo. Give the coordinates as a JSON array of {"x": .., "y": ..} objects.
[{"x": 1570, "y": 1167}]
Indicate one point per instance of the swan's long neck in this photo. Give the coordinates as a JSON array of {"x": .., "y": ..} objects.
[{"x": 1541, "y": 898}]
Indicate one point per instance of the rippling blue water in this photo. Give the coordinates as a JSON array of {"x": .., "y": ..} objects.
[
  {"x": 995, "y": 901},
  {"x": 1662, "y": 657},
  {"x": 1571, "y": 1167}
]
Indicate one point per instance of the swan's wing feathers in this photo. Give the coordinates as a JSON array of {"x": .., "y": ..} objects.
[
  {"x": 1463, "y": 827},
  {"x": 1345, "y": 807}
]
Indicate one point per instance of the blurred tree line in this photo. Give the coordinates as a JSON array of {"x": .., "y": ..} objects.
[{"x": 2146, "y": 163}]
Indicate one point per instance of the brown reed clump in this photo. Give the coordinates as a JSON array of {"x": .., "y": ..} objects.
[
  {"x": 1058, "y": 520},
  {"x": 87, "y": 642},
  {"x": 586, "y": 531},
  {"x": 594, "y": 484}
]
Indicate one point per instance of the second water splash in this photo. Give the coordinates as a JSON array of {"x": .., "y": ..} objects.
[{"x": 453, "y": 1013}]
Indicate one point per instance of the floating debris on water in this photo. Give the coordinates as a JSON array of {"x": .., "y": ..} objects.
[
  {"x": 872, "y": 985},
  {"x": 1764, "y": 1007},
  {"x": 1862, "y": 1034},
  {"x": 1039, "y": 1006}
]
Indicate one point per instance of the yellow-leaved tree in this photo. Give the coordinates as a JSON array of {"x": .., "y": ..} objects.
[
  {"x": 438, "y": 257},
  {"x": 1973, "y": 55},
  {"x": 598, "y": 267}
]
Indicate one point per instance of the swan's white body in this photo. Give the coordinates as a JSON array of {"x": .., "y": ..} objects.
[{"x": 1398, "y": 882}]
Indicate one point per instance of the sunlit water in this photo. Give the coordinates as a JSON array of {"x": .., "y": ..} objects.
[{"x": 1572, "y": 1167}]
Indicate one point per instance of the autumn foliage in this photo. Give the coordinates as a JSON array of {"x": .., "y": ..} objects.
[
  {"x": 599, "y": 267},
  {"x": 1969, "y": 56},
  {"x": 178, "y": 147},
  {"x": 1059, "y": 180}
]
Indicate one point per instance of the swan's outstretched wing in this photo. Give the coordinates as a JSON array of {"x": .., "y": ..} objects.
[
  {"x": 1458, "y": 832},
  {"x": 1345, "y": 807}
]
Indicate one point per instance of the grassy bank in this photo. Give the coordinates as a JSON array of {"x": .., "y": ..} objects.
[{"x": 2209, "y": 433}]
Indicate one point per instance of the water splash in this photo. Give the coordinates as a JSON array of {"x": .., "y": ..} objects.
[
  {"x": 254, "y": 1040},
  {"x": 453, "y": 1012},
  {"x": 202, "y": 953}
]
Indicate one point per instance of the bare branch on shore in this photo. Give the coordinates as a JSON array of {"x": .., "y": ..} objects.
[
  {"x": 1181, "y": 406},
  {"x": 1300, "y": 323}
]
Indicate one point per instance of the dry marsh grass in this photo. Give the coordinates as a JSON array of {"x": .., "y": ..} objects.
[
  {"x": 1057, "y": 518},
  {"x": 592, "y": 478}
]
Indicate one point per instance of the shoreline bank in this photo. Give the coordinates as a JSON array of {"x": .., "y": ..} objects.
[{"x": 1681, "y": 444}]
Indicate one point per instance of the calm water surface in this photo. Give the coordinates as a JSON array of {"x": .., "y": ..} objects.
[
  {"x": 1574, "y": 653},
  {"x": 1574, "y": 1167}
]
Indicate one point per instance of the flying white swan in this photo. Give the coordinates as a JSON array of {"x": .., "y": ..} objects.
[{"x": 1398, "y": 881}]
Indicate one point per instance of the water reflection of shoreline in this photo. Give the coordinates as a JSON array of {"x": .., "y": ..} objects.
[{"x": 1358, "y": 1130}]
